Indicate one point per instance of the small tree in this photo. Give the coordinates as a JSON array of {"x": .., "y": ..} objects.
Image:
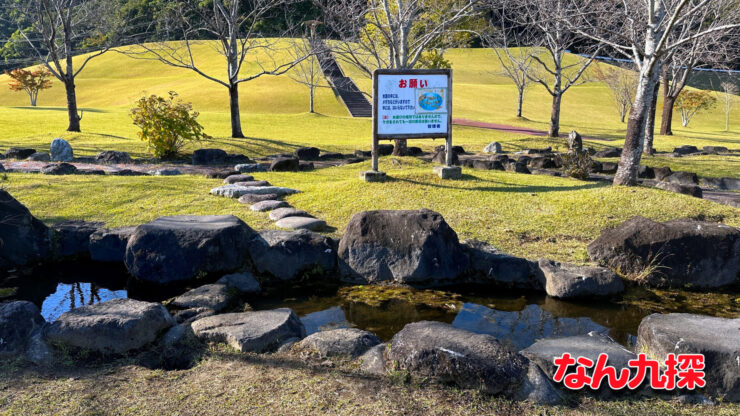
[
  {"x": 30, "y": 81},
  {"x": 308, "y": 71},
  {"x": 622, "y": 83},
  {"x": 690, "y": 102},
  {"x": 166, "y": 124},
  {"x": 729, "y": 91}
]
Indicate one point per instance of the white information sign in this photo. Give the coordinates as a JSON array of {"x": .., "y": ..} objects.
[{"x": 412, "y": 104}]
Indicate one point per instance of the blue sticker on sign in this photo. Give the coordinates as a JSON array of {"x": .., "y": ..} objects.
[{"x": 430, "y": 101}]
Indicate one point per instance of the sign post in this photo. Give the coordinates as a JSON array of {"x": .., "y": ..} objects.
[{"x": 412, "y": 104}]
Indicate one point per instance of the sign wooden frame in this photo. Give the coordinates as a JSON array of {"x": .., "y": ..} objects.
[{"x": 412, "y": 72}]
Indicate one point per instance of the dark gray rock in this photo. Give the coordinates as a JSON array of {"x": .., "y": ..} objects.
[
  {"x": 280, "y": 213},
  {"x": 179, "y": 248},
  {"x": 575, "y": 142},
  {"x": 450, "y": 355},
  {"x": 39, "y": 157},
  {"x": 38, "y": 351},
  {"x": 373, "y": 362},
  {"x": 127, "y": 172},
  {"x": 23, "y": 238},
  {"x": 414, "y": 151},
  {"x": 110, "y": 244},
  {"x": 537, "y": 388},
  {"x": 113, "y": 157},
  {"x": 238, "y": 178},
  {"x": 487, "y": 263},
  {"x": 115, "y": 326},
  {"x": 268, "y": 205},
  {"x": 683, "y": 178},
  {"x": 348, "y": 342},
  {"x": 209, "y": 157},
  {"x": 610, "y": 152},
  {"x": 569, "y": 281},
  {"x": 255, "y": 198},
  {"x": 685, "y": 150},
  {"x": 305, "y": 166},
  {"x": 716, "y": 149},
  {"x": 237, "y": 159},
  {"x": 691, "y": 190},
  {"x": 214, "y": 296},
  {"x": 645, "y": 172},
  {"x": 165, "y": 172},
  {"x": 724, "y": 184},
  {"x": 331, "y": 156},
  {"x": 542, "y": 163},
  {"x": 188, "y": 316},
  {"x": 548, "y": 149},
  {"x": 400, "y": 247},
  {"x": 718, "y": 339},
  {"x": 679, "y": 252},
  {"x": 59, "y": 169},
  {"x": 2, "y": 168},
  {"x": 608, "y": 167},
  {"x": 19, "y": 153},
  {"x": 18, "y": 321},
  {"x": 253, "y": 183},
  {"x": 285, "y": 164},
  {"x": 221, "y": 174},
  {"x": 61, "y": 151},
  {"x": 260, "y": 331},
  {"x": 243, "y": 282},
  {"x": 662, "y": 173},
  {"x": 301, "y": 223},
  {"x": 440, "y": 157},
  {"x": 517, "y": 167},
  {"x": 385, "y": 149},
  {"x": 307, "y": 153},
  {"x": 72, "y": 238},
  {"x": 289, "y": 255},
  {"x": 365, "y": 153}
]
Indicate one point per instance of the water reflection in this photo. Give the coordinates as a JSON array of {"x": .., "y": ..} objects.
[
  {"x": 331, "y": 318},
  {"x": 72, "y": 295},
  {"x": 522, "y": 328}
]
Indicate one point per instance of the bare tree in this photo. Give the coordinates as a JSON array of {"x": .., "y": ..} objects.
[
  {"x": 544, "y": 25},
  {"x": 729, "y": 91},
  {"x": 622, "y": 83},
  {"x": 235, "y": 25},
  {"x": 647, "y": 31},
  {"x": 393, "y": 33},
  {"x": 61, "y": 29},
  {"x": 308, "y": 71}
]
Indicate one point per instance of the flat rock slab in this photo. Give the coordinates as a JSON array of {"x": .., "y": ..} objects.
[
  {"x": 280, "y": 213},
  {"x": 349, "y": 342},
  {"x": 244, "y": 282},
  {"x": 238, "y": 178},
  {"x": 109, "y": 245},
  {"x": 259, "y": 331},
  {"x": 215, "y": 296},
  {"x": 268, "y": 205},
  {"x": 681, "y": 333},
  {"x": 301, "y": 223},
  {"x": 253, "y": 183},
  {"x": 447, "y": 354},
  {"x": 115, "y": 326},
  {"x": 236, "y": 191},
  {"x": 253, "y": 198},
  {"x": 18, "y": 320},
  {"x": 568, "y": 281},
  {"x": 288, "y": 255},
  {"x": 178, "y": 248}
]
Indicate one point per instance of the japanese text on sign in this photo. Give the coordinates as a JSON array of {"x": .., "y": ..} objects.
[{"x": 412, "y": 104}]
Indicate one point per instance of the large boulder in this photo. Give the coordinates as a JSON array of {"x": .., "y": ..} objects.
[
  {"x": 19, "y": 153},
  {"x": 18, "y": 320},
  {"x": 23, "y": 238},
  {"x": 568, "y": 281},
  {"x": 59, "y": 169},
  {"x": 609, "y": 152},
  {"x": 115, "y": 326},
  {"x": 400, "y": 247},
  {"x": 307, "y": 153},
  {"x": 349, "y": 342},
  {"x": 674, "y": 253},
  {"x": 285, "y": 164},
  {"x": 450, "y": 355},
  {"x": 683, "y": 178},
  {"x": 718, "y": 339},
  {"x": 493, "y": 147},
  {"x": 61, "y": 151},
  {"x": 686, "y": 150},
  {"x": 110, "y": 244},
  {"x": 288, "y": 255},
  {"x": 210, "y": 157},
  {"x": 486, "y": 263},
  {"x": 112, "y": 157},
  {"x": 259, "y": 331},
  {"x": 72, "y": 238},
  {"x": 691, "y": 190},
  {"x": 179, "y": 248}
]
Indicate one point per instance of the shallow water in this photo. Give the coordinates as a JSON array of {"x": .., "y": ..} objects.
[{"x": 516, "y": 318}]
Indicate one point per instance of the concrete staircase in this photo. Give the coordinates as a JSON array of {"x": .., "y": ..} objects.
[{"x": 355, "y": 101}]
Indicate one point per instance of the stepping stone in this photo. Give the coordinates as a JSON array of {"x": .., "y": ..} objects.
[
  {"x": 280, "y": 213},
  {"x": 216, "y": 297},
  {"x": 268, "y": 205},
  {"x": 301, "y": 223},
  {"x": 238, "y": 178},
  {"x": 253, "y": 183},
  {"x": 253, "y": 199},
  {"x": 259, "y": 331},
  {"x": 350, "y": 342},
  {"x": 235, "y": 191}
]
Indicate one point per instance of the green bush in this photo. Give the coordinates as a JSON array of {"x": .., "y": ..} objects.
[
  {"x": 577, "y": 164},
  {"x": 166, "y": 124}
]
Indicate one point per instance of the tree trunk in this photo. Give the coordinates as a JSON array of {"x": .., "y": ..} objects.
[
  {"x": 74, "y": 117},
  {"x": 33, "y": 99},
  {"x": 520, "y": 103},
  {"x": 555, "y": 116},
  {"x": 667, "y": 117},
  {"x": 647, "y": 147},
  {"x": 236, "y": 122},
  {"x": 632, "y": 151},
  {"x": 399, "y": 147},
  {"x": 311, "y": 98}
]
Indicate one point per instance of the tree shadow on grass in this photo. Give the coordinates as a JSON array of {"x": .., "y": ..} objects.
[
  {"x": 28, "y": 107},
  {"x": 505, "y": 187}
]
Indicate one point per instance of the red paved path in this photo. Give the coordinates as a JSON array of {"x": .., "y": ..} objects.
[{"x": 507, "y": 128}]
